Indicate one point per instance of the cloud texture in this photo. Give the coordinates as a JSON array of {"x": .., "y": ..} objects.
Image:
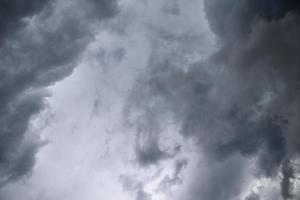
[
  {"x": 201, "y": 98},
  {"x": 40, "y": 42},
  {"x": 243, "y": 99}
]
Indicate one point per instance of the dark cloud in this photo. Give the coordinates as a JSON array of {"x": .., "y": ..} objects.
[
  {"x": 41, "y": 42},
  {"x": 235, "y": 18},
  {"x": 12, "y": 12},
  {"x": 150, "y": 153},
  {"x": 253, "y": 196},
  {"x": 286, "y": 184},
  {"x": 102, "y": 8},
  {"x": 244, "y": 99},
  {"x": 218, "y": 180},
  {"x": 17, "y": 153},
  {"x": 261, "y": 49}
]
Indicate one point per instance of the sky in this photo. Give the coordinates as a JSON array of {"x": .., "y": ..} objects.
[{"x": 149, "y": 100}]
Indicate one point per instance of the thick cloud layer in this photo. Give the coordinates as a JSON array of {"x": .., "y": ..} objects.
[
  {"x": 210, "y": 89},
  {"x": 40, "y": 43},
  {"x": 243, "y": 99},
  {"x": 261, "y": 48},
  {"x": 13, "y": 12}
]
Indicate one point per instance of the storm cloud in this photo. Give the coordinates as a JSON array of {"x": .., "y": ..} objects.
[
  {"x": 40, "y": 43},
  {"x": 243, "y": 99},
  {"x": 171, "y": 99}
]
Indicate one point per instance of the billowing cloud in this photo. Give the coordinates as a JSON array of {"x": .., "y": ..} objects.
[
  {"x": 173, "y": 99},
  {"x": 40, "y": 44},
  {"x": 261, "y": 48},
  {"x": 243, "y": 99}
]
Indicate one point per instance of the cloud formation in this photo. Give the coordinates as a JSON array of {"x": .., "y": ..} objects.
[
  {"x": 243, "y": 99},
  {"x": 210, "y": 90},
  {"x": 40, "y": 43}
]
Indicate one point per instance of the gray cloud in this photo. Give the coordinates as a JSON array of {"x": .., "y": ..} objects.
[
  {"x": 12, "y": 13},
  {"x": 134, "y": 186},
  {"x": 171, "y": 8},
  {"x": 175, "y": 178},
  {"x": 142, "y": 195},
  {"x": 150, "y": 153},
  {"x": 101, "y": 8},
  {"x": 244, "y": 98},
  {"x": 288, "y": 175},
  {"x": 240, "y": 103},
  {"x": 261, "y": 48},
  {"x": 218, "y": 180},
  {"x": 40, "y": 44},
  {"x": 253, "y": 196}
]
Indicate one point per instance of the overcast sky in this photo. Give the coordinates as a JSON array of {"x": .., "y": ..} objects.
[{"x": 149, "y": 99}]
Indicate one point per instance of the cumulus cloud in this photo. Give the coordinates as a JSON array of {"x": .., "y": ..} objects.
[{"x": 40, "y": 44}]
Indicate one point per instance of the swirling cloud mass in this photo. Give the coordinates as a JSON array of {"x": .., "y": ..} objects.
[{"x": 150, "y": 100}]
